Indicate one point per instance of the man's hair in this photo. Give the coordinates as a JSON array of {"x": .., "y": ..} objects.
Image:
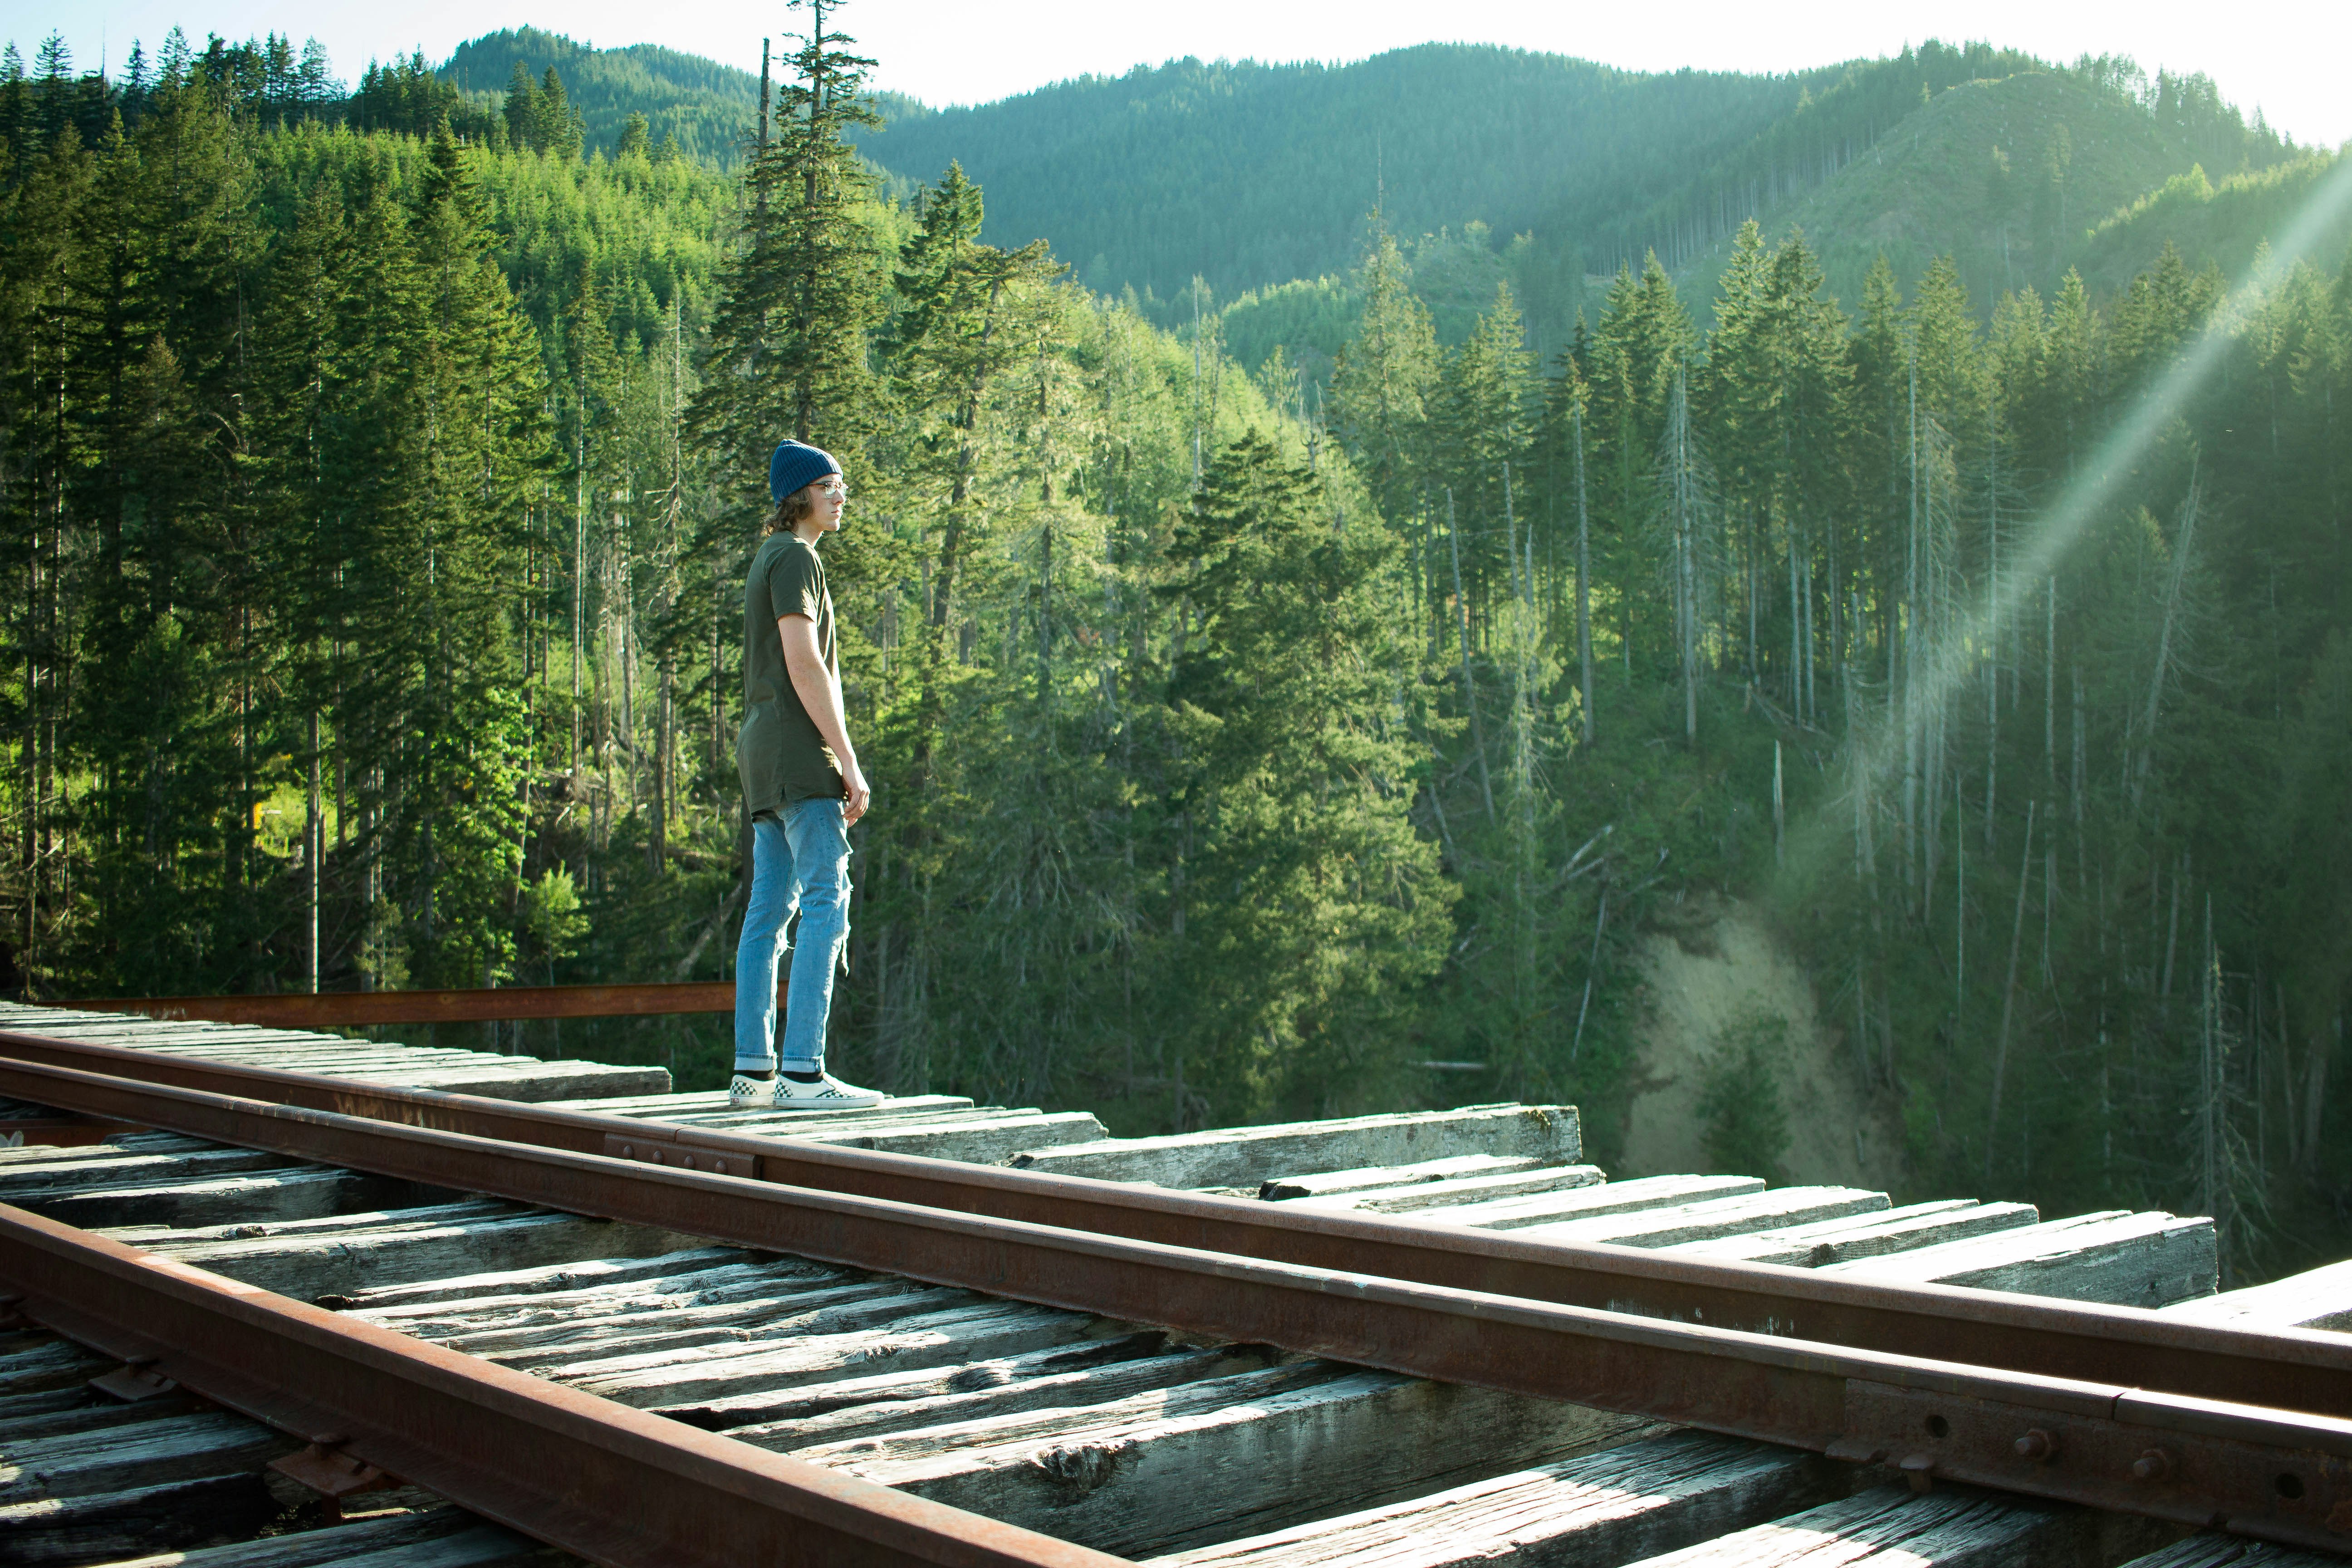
[{"x": 792, "y": 509}]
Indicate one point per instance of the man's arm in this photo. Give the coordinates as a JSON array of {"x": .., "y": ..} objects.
[{"x": 813, "y": 684}]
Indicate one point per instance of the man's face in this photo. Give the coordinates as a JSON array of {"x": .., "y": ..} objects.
[{"x": 830, "y": 496}]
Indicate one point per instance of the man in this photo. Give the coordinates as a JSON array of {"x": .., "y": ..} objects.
[{"x": 803, "y": 789}]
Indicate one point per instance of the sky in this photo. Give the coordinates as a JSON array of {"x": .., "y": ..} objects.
[{"x": 2284, "y": 57}]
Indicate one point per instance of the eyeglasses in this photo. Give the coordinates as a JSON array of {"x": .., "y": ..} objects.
[{"x": 837, "y": 491}]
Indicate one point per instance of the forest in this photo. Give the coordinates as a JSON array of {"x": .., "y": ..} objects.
[{"x": 378, "y": 467}]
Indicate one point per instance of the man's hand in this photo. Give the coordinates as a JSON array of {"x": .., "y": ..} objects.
[{"x": 854, "y": 805}]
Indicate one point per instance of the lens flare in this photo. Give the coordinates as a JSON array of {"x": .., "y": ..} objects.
[{"x": 1951, "y": 656}]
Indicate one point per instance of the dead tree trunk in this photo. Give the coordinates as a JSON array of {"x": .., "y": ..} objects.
[
  {"x": 1469, "y": 687},
  {"x": 1583, "y": 583},
  {"x": 2009, "y": 992}
]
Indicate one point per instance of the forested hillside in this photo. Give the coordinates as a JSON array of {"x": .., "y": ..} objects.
[
  {"x": 1249, "y": 175},
  {"x": 373, "y": 506},
  {"x": 2005, "y": 176},
  {"x": 1490, "y": 165},
  {"x": 708, "y": 108}
]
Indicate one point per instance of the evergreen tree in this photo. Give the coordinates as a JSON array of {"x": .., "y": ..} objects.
[
  {"x": 789, "y": 335},
  {"x": 1286, "y": 790},
  {"x": 1642, "y": 343},
  {"x": 1381, "y": 381},
  {"x": 1481, "y": 428},
  {"x": 522, "y": 111}
]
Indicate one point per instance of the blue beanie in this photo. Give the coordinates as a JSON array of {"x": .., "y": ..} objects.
[{"x": 796, "y": 464}]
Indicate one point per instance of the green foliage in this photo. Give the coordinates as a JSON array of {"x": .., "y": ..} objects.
[
  {"x": 374, "y": 501},
  {"x": 1739, "y": 1097},
  {"x": 1284, "y": 801},
  {"x": 552, "y": 924},
  {"x": 2231, "y": 223},
  {"x": 705, "y": 109},
  {"x": 1550, "y": 172}
]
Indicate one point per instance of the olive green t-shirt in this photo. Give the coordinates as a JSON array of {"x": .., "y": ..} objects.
[{"x": 780, "y": 753}]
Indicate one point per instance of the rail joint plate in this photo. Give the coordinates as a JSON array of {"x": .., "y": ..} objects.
[
  {"x": 657, "y": 1147},
  {"x": 2297, "y": 1497}
]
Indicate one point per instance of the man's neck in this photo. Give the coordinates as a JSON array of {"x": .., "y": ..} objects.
[{"x": 808, "y": 534}]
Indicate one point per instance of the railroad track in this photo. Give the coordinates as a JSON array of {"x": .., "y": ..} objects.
[{"x": 917, "y": 1358}]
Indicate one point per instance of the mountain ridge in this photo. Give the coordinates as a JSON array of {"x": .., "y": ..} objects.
[{"x": 1493, "y": 164}]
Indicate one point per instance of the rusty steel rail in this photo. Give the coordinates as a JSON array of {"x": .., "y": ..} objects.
[
  {"x": 614, "y": 1485},
  {"x": 358, "y": 1009},
  {"x": 2283, "y": 1475},
  {"x": 2294, "y": 1369}
]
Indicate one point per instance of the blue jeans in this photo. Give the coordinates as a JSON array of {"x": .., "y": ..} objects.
[{"x": 800, "y": 862}]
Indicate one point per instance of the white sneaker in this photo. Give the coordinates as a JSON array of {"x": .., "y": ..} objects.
[
  {"x": 827, "y": 1093},
  {"x": 745, "y": 1092}
]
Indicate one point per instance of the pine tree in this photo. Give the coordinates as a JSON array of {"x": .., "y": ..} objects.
[
  {"x": 789, "y": 335},
  {"x": 1382, "y": 380},
  {"x": 968, "y": 314},
  {"x": 636, "y": 138},
  {"x": 522, "y": 112},
  {"x": 1640, "y": 345},
  {"x": 556, "y": 126},
  {"x": 1287, "y": 777},
  {"x": 1481, "y": 428}
]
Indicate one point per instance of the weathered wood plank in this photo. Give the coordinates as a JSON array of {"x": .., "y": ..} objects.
[
  {"x": 982, "y": 1140},
  {"x": 1058, "y": 1391},
  {"x": 953, "y": 1337},
  {"x": 84, "y": 1409},
  {"x": 33, "y": 1156},
  {"x": 1840, "y": 1240},
  {"x": 886, "y": 1304},
  {"x": 103, "y": 1165},
  {"x": 1580, "y": 1202},
  {"x": 35, "y": 1362},
  {"x": 1715, "y": 1216},
  {"x": 103, "y": 1527},
  {"x": 1653, "y": 1495},
  {"x": 695, "y": 1101},
  {"x": 2125, "y": 1259},
  {"x": 441, "y": 1537},
  {"x": 1181, "y": 1467},
  {"x": 839, "y": 1126},
  {"x": 17, "y": 1410},
  {"x": 272, "y": 1198},
  {"x": 664, "y": 1292},
  {"x": 108, "y": 1458},
  {"x": 1248, "y": 1157},
  {"x": 115, "y": 1028},
  {"x": 905, "y": 1108},
  {"x": 517, "y": 1079},
  {"x": 2315, "y": 1299},
  {"x": 1951, "y": 1526},
  {"x": 649, "y": 1339},
  {"x": 1422, "y": 1197},
  {"x": 746, "y": 1294},
  {"x": 465, "y": 1211},
  {"x": 916, "y": 1449},
  {"x": 1330, "y": 1184},
  {"x": 267, "y": 1047},
  {"x": 547, "y": 1280},
  {"x": 307, "y": 1265},
  {"x": 2215, "y": 1550},
  {"x": 736, "y": 1412},
  {"x": 535, "y": 1085}
]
